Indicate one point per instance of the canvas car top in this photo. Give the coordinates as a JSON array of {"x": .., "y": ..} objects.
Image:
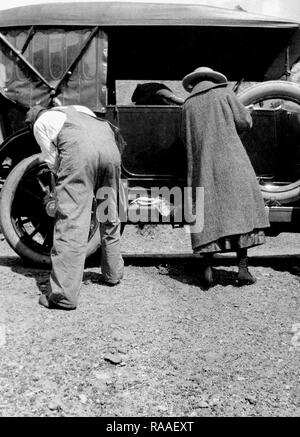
[{"x": 134, "y": 14}]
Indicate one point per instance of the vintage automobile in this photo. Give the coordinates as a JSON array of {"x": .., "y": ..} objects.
[{"x": 95, "y": 54}]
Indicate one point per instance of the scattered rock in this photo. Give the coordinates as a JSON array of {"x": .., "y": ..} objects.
[
  {"x": 295, "y": 328},
  {"x": 83, "y": 398},
  {"x": 213, "y": 356},
  {"x": 203, "y": 404},
  {"x": 240, "y": 378},
  {"x": 296, "y": 337},
  {"x": 162, "y": 408},
  {"x": 214, "y": 401},
  {"x": 251, "y": 399},
  {"x": 54, "y": 405},
  {"x": 267, "y": 275},
  {"x": 48, "y": 385},
  {"x": 113, "y": 358},
  {"x": 205, "y": 369},
  {"x": 162, "y": 270},
  {"x": 102, "y": 376},
  {"x": 117, "y": 336},
  {"x": 2, "y": 335},
  {"x": 119, "y": 386},
  {"x": 194, "y": 414}
]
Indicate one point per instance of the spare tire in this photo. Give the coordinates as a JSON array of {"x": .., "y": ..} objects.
[
  {"x": 273, "y": 89},
  {"x": 283, "y": 194}
]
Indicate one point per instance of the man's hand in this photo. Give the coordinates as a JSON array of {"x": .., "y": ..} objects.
[
  {"x": 56, "y": 102},
  {"x": 250, "y": 107}
]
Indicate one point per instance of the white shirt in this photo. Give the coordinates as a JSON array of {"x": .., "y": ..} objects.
[{"x": 47, "y": 128}]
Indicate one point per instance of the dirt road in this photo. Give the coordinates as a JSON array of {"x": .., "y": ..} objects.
[{"x": 157, "y": 344}]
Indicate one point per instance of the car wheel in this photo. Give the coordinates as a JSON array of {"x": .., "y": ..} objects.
[{"x": 26, "y": 212}]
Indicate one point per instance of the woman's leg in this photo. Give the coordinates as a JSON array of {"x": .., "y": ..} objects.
[
  {"x": 208, "y": 270},
  {"x": 244, "y": 276}
]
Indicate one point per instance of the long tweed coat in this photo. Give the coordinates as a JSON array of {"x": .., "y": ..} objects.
[{"x": 212, "y": 119}]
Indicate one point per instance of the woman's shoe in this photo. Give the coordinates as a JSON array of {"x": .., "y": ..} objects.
[
  {"x": 245, "y": 278},
  {"x": 208, "y": 277}
]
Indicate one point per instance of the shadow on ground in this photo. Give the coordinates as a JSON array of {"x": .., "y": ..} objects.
[{"x": 185, "y": 270}]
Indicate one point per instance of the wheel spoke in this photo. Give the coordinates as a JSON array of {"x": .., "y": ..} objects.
[
  {"x": 27, "y": 220},
  {"x": 43, "y": 187},
  {"x": 35, "y": 231},
  {"x": 31, "y": 194},
  {"x": 52, "y": 181},
  {"x": 48, "y": 240}
]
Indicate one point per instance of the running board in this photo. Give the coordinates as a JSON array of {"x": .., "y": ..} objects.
[
  {"x": 277, "y": 214},
  {"x": 283, "y": 214}
]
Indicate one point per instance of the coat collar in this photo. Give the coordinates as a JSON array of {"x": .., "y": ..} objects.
[{"x": 204, "y": 86}]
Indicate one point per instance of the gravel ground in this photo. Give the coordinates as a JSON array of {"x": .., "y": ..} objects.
[{"x": 157, "y": 344}]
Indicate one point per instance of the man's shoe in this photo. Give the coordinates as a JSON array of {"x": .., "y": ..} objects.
[
  {"x": 45, "y": 302},
  {"x": 111, "y": 284}
]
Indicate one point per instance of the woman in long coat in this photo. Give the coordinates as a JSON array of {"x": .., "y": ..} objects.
[{"x": 234, "y": 212}]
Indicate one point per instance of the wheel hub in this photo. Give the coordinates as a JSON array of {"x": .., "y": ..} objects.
[{"x": 51, "y": 208}]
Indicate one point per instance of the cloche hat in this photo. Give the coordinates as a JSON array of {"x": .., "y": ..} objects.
[{"x": 202, "y": 73}]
